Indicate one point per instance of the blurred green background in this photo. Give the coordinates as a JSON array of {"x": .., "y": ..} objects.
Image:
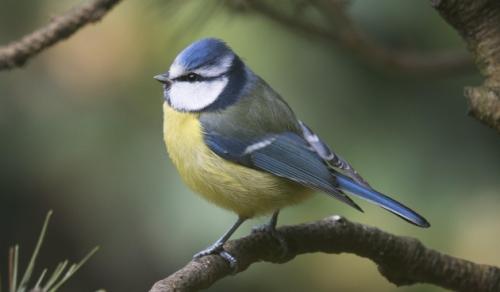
[{"x": 80, "y": 133}]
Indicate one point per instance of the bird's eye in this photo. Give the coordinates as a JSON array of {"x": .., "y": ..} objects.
[{"x": 191, "y": 77}]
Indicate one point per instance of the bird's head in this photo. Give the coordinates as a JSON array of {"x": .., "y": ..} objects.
[{"x": 205, "y": 76}]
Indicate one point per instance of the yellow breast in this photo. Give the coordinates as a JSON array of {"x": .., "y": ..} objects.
[{"x": 246, "y": 191}]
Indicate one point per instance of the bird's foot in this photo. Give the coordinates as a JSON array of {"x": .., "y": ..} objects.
[
  {"x": 271, "y": 230},
  {"x": 217, "y": 249}
]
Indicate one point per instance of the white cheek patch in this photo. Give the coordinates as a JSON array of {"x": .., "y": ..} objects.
[{"x": 194, "y": 96}]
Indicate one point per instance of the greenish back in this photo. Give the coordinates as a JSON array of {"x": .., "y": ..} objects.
[{"x": 260, "y": 111}]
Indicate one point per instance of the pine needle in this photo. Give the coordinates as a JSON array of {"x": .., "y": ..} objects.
[
  {"x": 13, "y": 266},
  {"x": 73, "y": 269},
  {"x": 59, "y": 276},
  {"x": 31, "y": 265}
]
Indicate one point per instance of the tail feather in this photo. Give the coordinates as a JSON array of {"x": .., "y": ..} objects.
[{"x": 381, "y": 200}]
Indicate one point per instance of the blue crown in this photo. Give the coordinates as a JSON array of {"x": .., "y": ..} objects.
[{"x": 203, "y": 52}]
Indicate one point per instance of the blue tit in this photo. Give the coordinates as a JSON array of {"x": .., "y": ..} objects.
[{"x": 236, "y": 142}]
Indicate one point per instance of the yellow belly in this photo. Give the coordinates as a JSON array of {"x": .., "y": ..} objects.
[{"x": 245, "y": 191}]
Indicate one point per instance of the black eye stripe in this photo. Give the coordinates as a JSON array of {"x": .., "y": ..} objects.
[
  {"x": 193, "y": 77},
  {"x": 189, "y": 77}
]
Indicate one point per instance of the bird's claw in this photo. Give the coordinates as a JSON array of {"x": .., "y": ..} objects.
[
  {"x": 217, "y": 249},
  {"x": 232, "y": 261},
  {"x": 213, "y": 249}
]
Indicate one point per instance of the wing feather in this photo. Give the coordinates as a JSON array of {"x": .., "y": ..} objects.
[
  {"x": 286, "y": 155},
  {"x": 330, "y": 157}
]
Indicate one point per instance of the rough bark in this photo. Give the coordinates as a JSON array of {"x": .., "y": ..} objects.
[
  {"x": 478, "y": 22},
  {"x": 402, "y": 260}
]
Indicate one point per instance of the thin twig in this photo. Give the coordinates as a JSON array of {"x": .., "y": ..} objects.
[
  {"x": 402, "y": 260},
  {"x": 61, "y": 27},
  {"x": 344, "y": 33}
]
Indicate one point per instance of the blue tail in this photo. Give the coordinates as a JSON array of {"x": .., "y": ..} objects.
[{"x": 381, "y": 200}]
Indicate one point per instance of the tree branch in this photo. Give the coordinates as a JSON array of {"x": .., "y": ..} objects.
[
  {"x": 347, "y": 35},
  {"x": 61, "y": 27},
  {"x": 478, "y": 22},
  {"x": 402, "y": 260}
]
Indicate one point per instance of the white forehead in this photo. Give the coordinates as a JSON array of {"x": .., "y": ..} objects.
[{"x": 211, "y": 70}]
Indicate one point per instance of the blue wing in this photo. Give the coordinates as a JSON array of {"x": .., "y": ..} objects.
[
  {"x": 350, "y": 180},
  {"x": 330, "y": 157},
  {"x": 381, "y": 200},
  {"x": 291, "y": 156},
  {"x": 286, "y": 155}
]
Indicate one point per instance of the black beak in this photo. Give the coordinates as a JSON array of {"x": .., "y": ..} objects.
[{"x": 163, "y": 78}]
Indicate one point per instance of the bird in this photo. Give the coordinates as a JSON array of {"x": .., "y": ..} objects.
[{"x": 236, "y": 142}]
